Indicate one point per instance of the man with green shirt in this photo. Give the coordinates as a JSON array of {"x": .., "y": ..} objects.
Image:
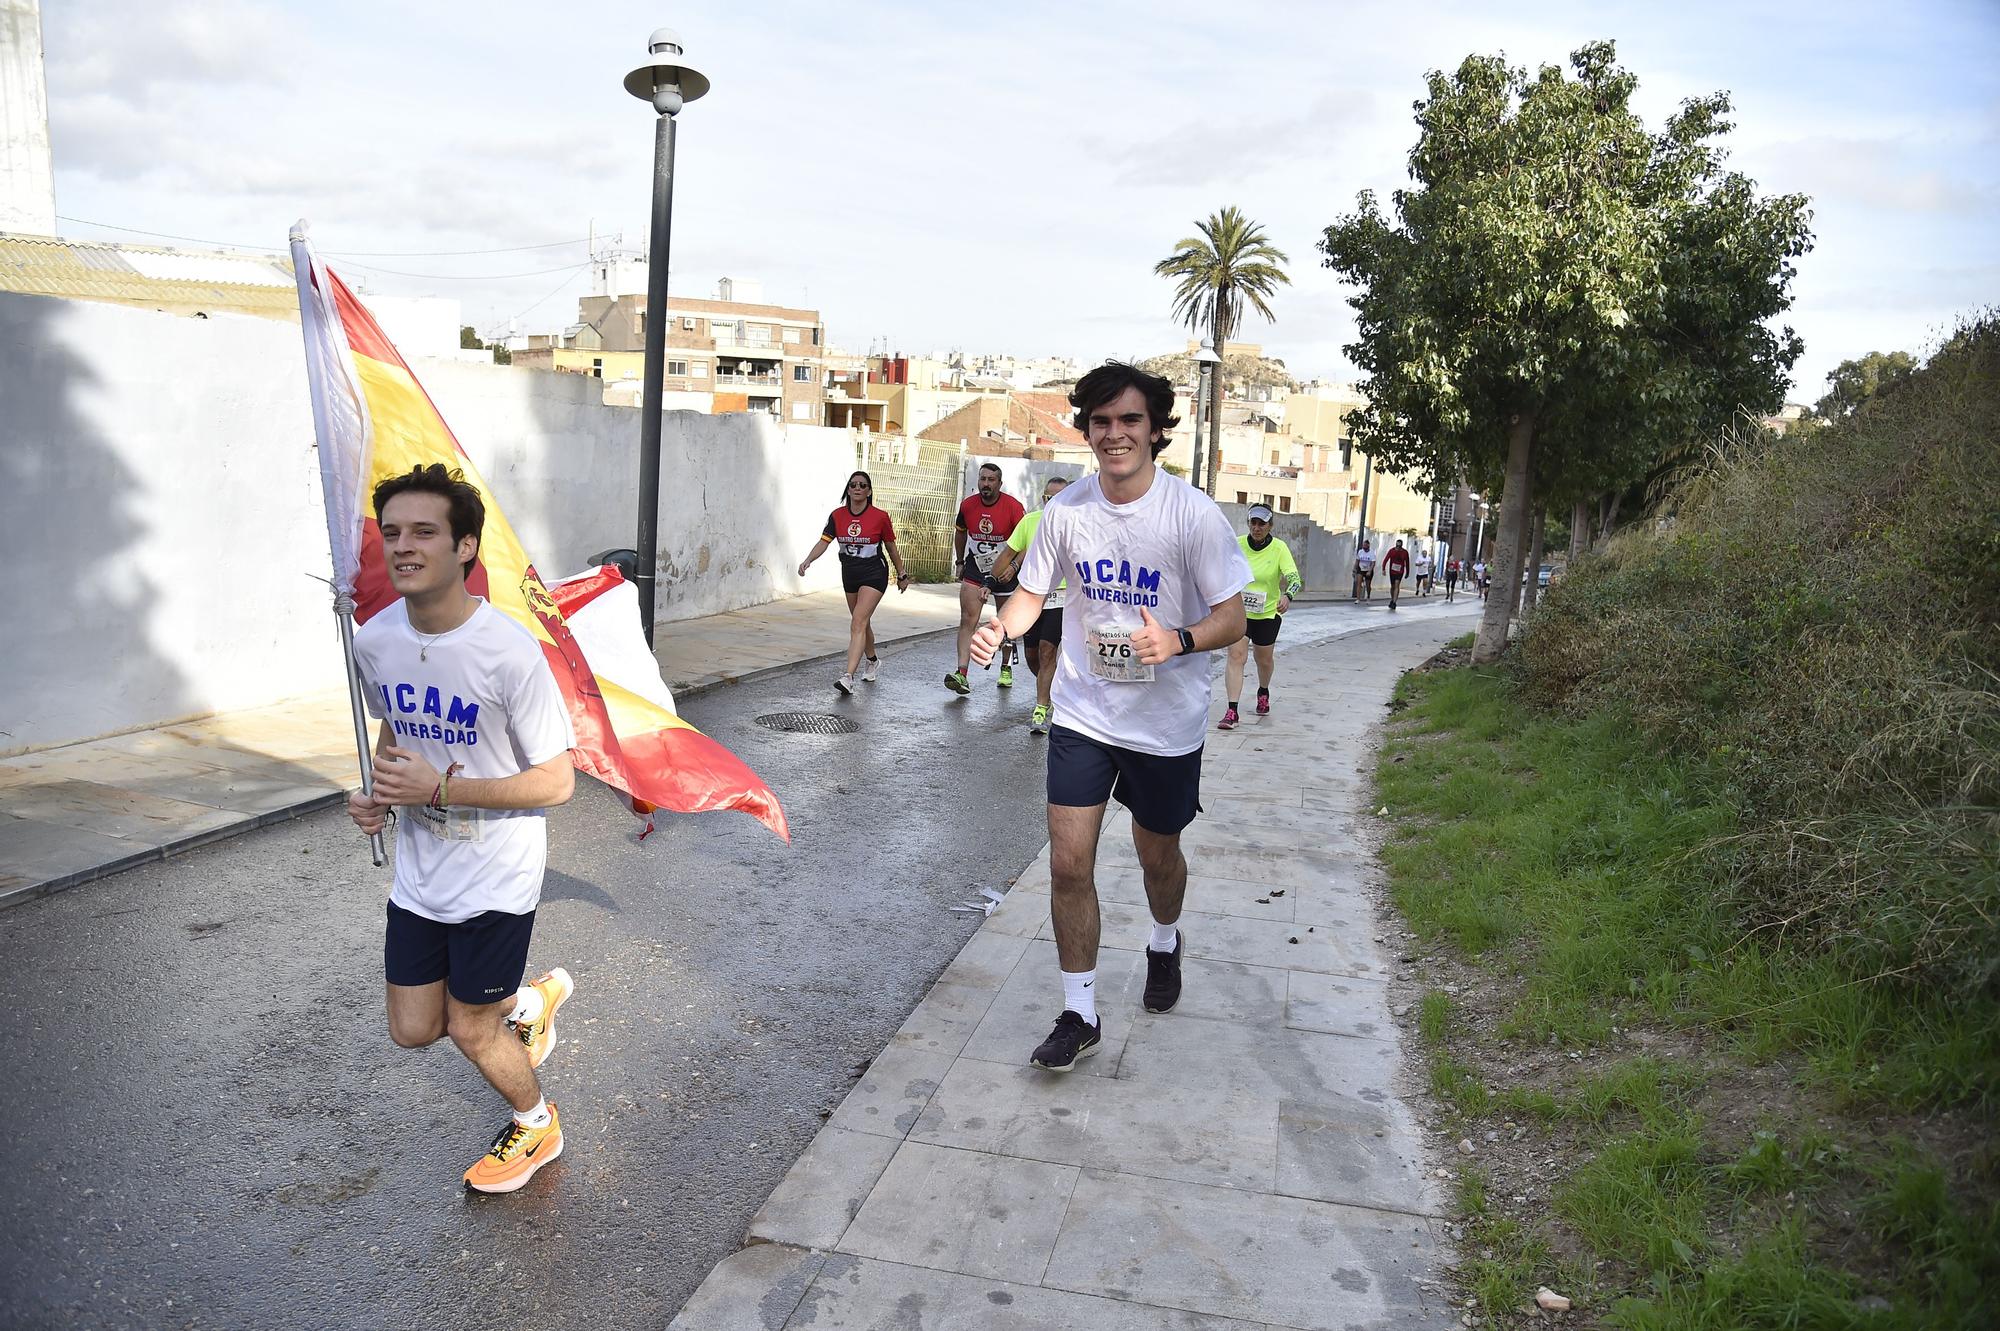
[
  {"x": 1274, "y": 582},
  {"x": 1045, "y": 638}
]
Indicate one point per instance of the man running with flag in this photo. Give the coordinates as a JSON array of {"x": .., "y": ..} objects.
[
  {"x": 474, "y": 751},
  {"x": 492, "y": 686}
]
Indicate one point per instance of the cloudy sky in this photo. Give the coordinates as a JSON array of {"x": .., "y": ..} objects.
[{"x": 992, "y": 177}]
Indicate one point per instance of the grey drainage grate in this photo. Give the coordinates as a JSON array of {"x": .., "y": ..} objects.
[{"x": 808, "y": 723}]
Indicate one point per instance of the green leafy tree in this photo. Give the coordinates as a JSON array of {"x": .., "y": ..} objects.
[
  {"x": 1853, "y": 382},
  {"x": 1216, "y": 273},
  {"x": 1560, "y": 295}
]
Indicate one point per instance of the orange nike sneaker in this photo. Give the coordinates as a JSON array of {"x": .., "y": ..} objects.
[
  {"x": 540, "y": 1035},
  {"x": 515, "y": 1155}
]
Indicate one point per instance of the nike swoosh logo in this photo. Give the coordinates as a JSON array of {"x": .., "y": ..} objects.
[{"x": 1088, "y": 983}]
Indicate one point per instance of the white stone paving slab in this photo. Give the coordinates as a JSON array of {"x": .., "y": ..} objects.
[
  {"x": 1196, "y": 1133},
  {"x": 1281, "y": 1260},
  {"x": 861, "y": 1294},
  {"x": 964, "y": 1211},
  {"x": 813, "y": 1203}
]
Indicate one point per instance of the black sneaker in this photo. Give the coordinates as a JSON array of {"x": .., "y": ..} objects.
[
  {"x": 1073, "y": 1038},
  {"x": 1163, "y": 977}
]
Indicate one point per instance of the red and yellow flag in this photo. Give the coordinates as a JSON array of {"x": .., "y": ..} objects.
[{"x": 374, "y": 421}]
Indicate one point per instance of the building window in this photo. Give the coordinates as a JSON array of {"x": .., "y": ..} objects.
[
  {"x": 1242, "y": 497},
  {"x": 816, "y": 333},
  {"x": 678, "y": 368},
  {"x": 1284, "y": 503},
  {"x": 597, "y": 367},
  {"x": 791, "y": 335},
  {"x": 1274, "y": 457},
  {"x": 802, "y": 411},
  {"x": 642, "y": 323},
  {"x": 1346, "y": 453},
  {"x": 802, "y": 373},
  {"x": 1270, "y": 501},
  {"x": 699, "y": 370}
]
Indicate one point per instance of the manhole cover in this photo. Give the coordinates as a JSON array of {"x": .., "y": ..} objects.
[{"x": 808, "y": 723}]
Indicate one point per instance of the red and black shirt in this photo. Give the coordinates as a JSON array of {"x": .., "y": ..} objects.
[{"x": 860, "y": 535}]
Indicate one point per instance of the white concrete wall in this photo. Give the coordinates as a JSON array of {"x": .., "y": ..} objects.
[
  {"x": 160, "y": 514},
  {"x": 159, "y": 520},
  {"x": 27, "y": 173}
]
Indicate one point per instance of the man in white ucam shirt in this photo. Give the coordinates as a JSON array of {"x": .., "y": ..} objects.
[
  {"x": 1156, "y": 581},
  {"x": 474, "y": 750}
]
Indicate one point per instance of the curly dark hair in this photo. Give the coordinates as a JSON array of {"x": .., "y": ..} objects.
[
  {"x": 1113, "y": 377},
  {"x": 468, "y": 510}
]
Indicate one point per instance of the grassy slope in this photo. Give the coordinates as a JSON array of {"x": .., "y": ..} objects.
[{"x": 1570, "y": 862}]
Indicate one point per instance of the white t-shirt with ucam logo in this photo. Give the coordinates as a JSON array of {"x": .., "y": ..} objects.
[
  {"x": 485, "y": 699},
  {"x": 1170, "y": 552}
]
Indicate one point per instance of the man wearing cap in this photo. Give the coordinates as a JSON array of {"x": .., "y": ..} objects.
[{"x": 1274, "y": 581}]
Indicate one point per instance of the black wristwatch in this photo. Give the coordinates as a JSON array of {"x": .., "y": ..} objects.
[{"x": 1187, "y": 642}]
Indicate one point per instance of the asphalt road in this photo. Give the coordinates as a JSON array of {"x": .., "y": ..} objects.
[{"x": 209, "y": 1127}]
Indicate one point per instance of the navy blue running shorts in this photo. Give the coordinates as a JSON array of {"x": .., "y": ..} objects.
[
  {"x": 1164, "y": 794},
  {"x": 481, "y": 960}
]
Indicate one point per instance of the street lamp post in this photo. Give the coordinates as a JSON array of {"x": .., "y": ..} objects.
[
  {"x": 669, "y": 83},
  {"x": 1205, "y": 361}
]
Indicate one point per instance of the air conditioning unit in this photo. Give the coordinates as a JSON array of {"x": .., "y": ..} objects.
[{"x": 687, "y": 325}]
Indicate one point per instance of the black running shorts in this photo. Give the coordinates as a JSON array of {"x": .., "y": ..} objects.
[
  {"x": 968, "y": 572},
  {"x": 858, "y": 573},
  {"x": 1164, "y": 794},
  {"x": 1262, "y": 632},
  {"x": 1046, "y": 628},
  {"x": 481, "y": 960}
]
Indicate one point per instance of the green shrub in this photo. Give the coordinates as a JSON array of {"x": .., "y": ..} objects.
[{"x": 1816, "y": 622}]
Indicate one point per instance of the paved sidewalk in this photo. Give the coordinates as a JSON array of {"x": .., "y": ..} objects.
[
  {"x": 1242, "y": 1162},
  {"x": 71, "y": 814}
]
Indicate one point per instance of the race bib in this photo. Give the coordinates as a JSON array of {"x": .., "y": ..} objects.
[
  {"x": 452, "y": 824},
  {"x": 1054, "y": 600},
  {"x": 1112, "y": 658},
  {"x": 1254, "y": 601},
  {"x": 984, "y": 555}
]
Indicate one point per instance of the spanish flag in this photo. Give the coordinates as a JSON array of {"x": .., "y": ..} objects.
[{"x": 374, "y": 421}]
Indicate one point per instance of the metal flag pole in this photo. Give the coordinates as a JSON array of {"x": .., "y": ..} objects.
[{"x": 320, "y": 347}]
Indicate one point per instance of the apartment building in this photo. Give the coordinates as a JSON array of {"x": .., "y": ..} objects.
[{"x": 730, "y": 352}]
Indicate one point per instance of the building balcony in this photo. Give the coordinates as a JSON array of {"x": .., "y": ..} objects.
[
  {"x": 764, "y": 348},
  {"x": 763, "y": 382}
]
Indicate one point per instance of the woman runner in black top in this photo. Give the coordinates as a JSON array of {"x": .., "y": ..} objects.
[{"x": 865, "y": 534}]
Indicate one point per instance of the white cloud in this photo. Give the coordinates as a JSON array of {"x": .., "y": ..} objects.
[{"x": 940, "y": 175}]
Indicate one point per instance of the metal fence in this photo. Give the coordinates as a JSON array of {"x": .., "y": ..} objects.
[{"x": 916, "y": 483}]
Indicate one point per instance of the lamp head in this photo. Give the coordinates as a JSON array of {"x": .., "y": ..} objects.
[{"x": 666, "y": 80}]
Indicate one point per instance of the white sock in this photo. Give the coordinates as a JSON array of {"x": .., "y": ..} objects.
[
  {"x": 1080, "y": 994},
  {"x": 1163, "y": 937},
  {"x": 538, "y": 1117},
  {"x": 528, "y": 1004}
]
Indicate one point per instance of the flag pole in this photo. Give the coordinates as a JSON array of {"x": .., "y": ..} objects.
[
  {"x": 317, "y": 336},
  {"x": 343, "y": 611}
]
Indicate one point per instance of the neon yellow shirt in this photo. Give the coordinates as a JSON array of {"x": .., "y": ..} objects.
[
  {"x": 1024, "y": 532},
  {"x": 1273, "y": 573}
]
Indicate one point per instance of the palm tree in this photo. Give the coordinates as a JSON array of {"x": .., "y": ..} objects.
[{"x": 1217, "y": 272}]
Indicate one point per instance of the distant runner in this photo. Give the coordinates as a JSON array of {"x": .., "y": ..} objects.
[
  {"x": 1420, "y": 569},
  {"x": 865, "y": 534},
  {"x": 1158, "y": 582},
  {"x": 1274, "y": 581},
  {"x": 1043, "y": 642},
  {"x": 1364, "y": 573},
  {"x": 1450, "y": 581},
  {"x": 1397, "y": 562},
  {"x": 985, "y": 520}
]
